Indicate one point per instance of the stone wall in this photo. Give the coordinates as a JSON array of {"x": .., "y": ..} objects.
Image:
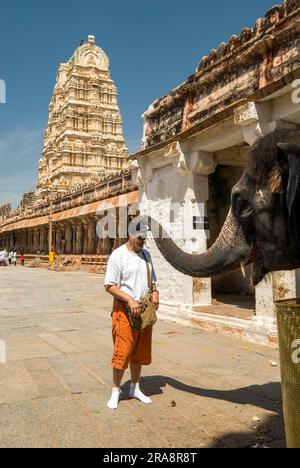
[{"x": 259, "y": 58}]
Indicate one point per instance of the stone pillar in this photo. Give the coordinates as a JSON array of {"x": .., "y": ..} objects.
[
  {"x": 74, "y": 237},
  {"x": 46, "y": 243},
  {"x": 40, "y": 239},
  {"x": 54, "y": 245},
  {"x": 25, "y": 245},
  {"x": 68, "y": 237},
  {"x": 24, "y": 241},
  {"x": 43, "y": 240},
  {"x": 35, "y": 240},
  {"x": 63, "y": 239},
  {"x": 20, "y": 247},
  {"x": 85, "y": 240},
  {"x": 91, "y": 227},
  {"x": 29, "y": 241},
  {"x": 275, "y": 286},
  {"x": 32, "y": 241},
  {"x": 104, "y": 243},
  {"x": 78, "y": 227},
  {"x": 59, "y": 237},
  {"x": 176, "y": 194},
  {"x": 19, "y": 240}
]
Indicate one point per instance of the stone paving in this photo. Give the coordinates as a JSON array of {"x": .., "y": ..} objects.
[{"x": 208, "y": 390}]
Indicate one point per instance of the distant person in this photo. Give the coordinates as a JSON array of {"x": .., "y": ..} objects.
[
  {"x": 52, "y": 256},
  {"x": 5, "y": 256},
  {"x": 2, "y": 258},
  {"x": 10, "y": 255},
  {"x": 14, "y": 258},
  {"x": 22, "y": 258}
]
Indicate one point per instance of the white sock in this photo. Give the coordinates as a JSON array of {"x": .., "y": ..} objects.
[
  {"x": 114, "y": 399},
  {"x": 135, "y": 392}
]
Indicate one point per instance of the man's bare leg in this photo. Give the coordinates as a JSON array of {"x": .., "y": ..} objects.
[
  {"x": 135, "y": 370},
  {"x": 117, "y": 377},
  {"x": 115, "y": 394},
  {"x": 135, "y": 392}
]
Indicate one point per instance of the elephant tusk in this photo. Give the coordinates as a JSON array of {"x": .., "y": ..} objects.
[{"x": 243, "y": 269}]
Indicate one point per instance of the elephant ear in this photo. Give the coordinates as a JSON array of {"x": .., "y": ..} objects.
[{"x": 292, "y": 153}]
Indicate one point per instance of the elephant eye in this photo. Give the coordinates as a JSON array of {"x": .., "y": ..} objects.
[{"x": 242, "y": 207}]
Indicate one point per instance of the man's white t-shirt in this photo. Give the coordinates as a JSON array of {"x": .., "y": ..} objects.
[{"x": 128, "y": 270}]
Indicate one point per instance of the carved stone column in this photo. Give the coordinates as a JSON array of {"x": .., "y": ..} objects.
[
  {"x": 78, "y": 242},
  {"x": 35, "y": 240},
  {"x": 59, "y": 237},
  {"x": 46, "y": 242},
  {"x": 74, "y": 237},
  {"x": 42, "y": 239},
  {"x": 91, "y": 228},
  {"x": 173, "y": 188},
  {"x": 104, "y": 242},
  {"x": 68, "y": 237}
]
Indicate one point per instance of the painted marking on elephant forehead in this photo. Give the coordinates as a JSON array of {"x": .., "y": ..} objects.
[{"x": 262, "y": 197}]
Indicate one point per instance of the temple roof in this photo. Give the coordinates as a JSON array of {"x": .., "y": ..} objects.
[{"x": 90, "y": 54}]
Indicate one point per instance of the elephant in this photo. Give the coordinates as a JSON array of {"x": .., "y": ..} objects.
[{"x": 263, "y": 224}]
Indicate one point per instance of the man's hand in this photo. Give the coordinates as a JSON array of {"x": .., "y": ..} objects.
[
  {"x": 135, "y": 307},
  {"x": 155, "y": 299}
]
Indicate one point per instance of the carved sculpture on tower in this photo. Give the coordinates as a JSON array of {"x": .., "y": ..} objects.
[{"x": 84, "y": 138}]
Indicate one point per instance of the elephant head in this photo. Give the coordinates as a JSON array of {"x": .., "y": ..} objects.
[{"x": 263, "y": 223}]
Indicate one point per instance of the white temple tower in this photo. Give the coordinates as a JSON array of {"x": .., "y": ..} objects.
[{"x": 84, "y": 137}]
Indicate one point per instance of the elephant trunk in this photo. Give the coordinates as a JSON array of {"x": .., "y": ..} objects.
[{"x": 228, "y": 252}]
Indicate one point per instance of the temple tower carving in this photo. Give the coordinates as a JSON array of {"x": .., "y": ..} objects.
[{"x": 83, "y": 139}]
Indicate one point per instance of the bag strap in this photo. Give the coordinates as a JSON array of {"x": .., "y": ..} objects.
[{"x": 148, "y": 271}]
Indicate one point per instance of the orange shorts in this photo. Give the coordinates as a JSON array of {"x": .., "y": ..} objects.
[{"x": 130, "y": 346}]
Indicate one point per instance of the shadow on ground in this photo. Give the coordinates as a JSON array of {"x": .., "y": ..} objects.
[{"x": 266, "y": 433}]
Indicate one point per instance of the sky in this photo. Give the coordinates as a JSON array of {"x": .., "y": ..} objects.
[{"x": 153, "y": 46}]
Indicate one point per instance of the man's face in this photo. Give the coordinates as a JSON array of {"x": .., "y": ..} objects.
[{"x": 137, "y": 242}]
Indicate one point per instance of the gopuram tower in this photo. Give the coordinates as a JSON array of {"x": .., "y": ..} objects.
[{"x": 84, "y": 138}]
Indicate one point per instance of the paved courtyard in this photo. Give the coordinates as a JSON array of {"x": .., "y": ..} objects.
[{"x": 208, "y": 390}]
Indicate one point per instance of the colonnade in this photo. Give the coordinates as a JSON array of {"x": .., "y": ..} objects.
[{"x": 76, "y": 236}]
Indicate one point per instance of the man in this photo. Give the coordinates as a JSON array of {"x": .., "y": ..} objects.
[
  {"x": 14, "y": 258},
  {"x": 2, "y": 259},
  {"x": 5, "y": 256},
  {"x": 127, "y": 280},
  {"x": 10, "y": 255}
]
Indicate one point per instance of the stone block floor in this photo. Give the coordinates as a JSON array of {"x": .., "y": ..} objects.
[{"x": 208, "y": 390}]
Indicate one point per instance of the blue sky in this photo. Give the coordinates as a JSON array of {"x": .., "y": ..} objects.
[{"x": 153, "y": 46}]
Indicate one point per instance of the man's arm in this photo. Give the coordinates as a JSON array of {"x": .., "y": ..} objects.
[
  {"x": 155, "y": 296},
  {"x": 122, "y": 296}
]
